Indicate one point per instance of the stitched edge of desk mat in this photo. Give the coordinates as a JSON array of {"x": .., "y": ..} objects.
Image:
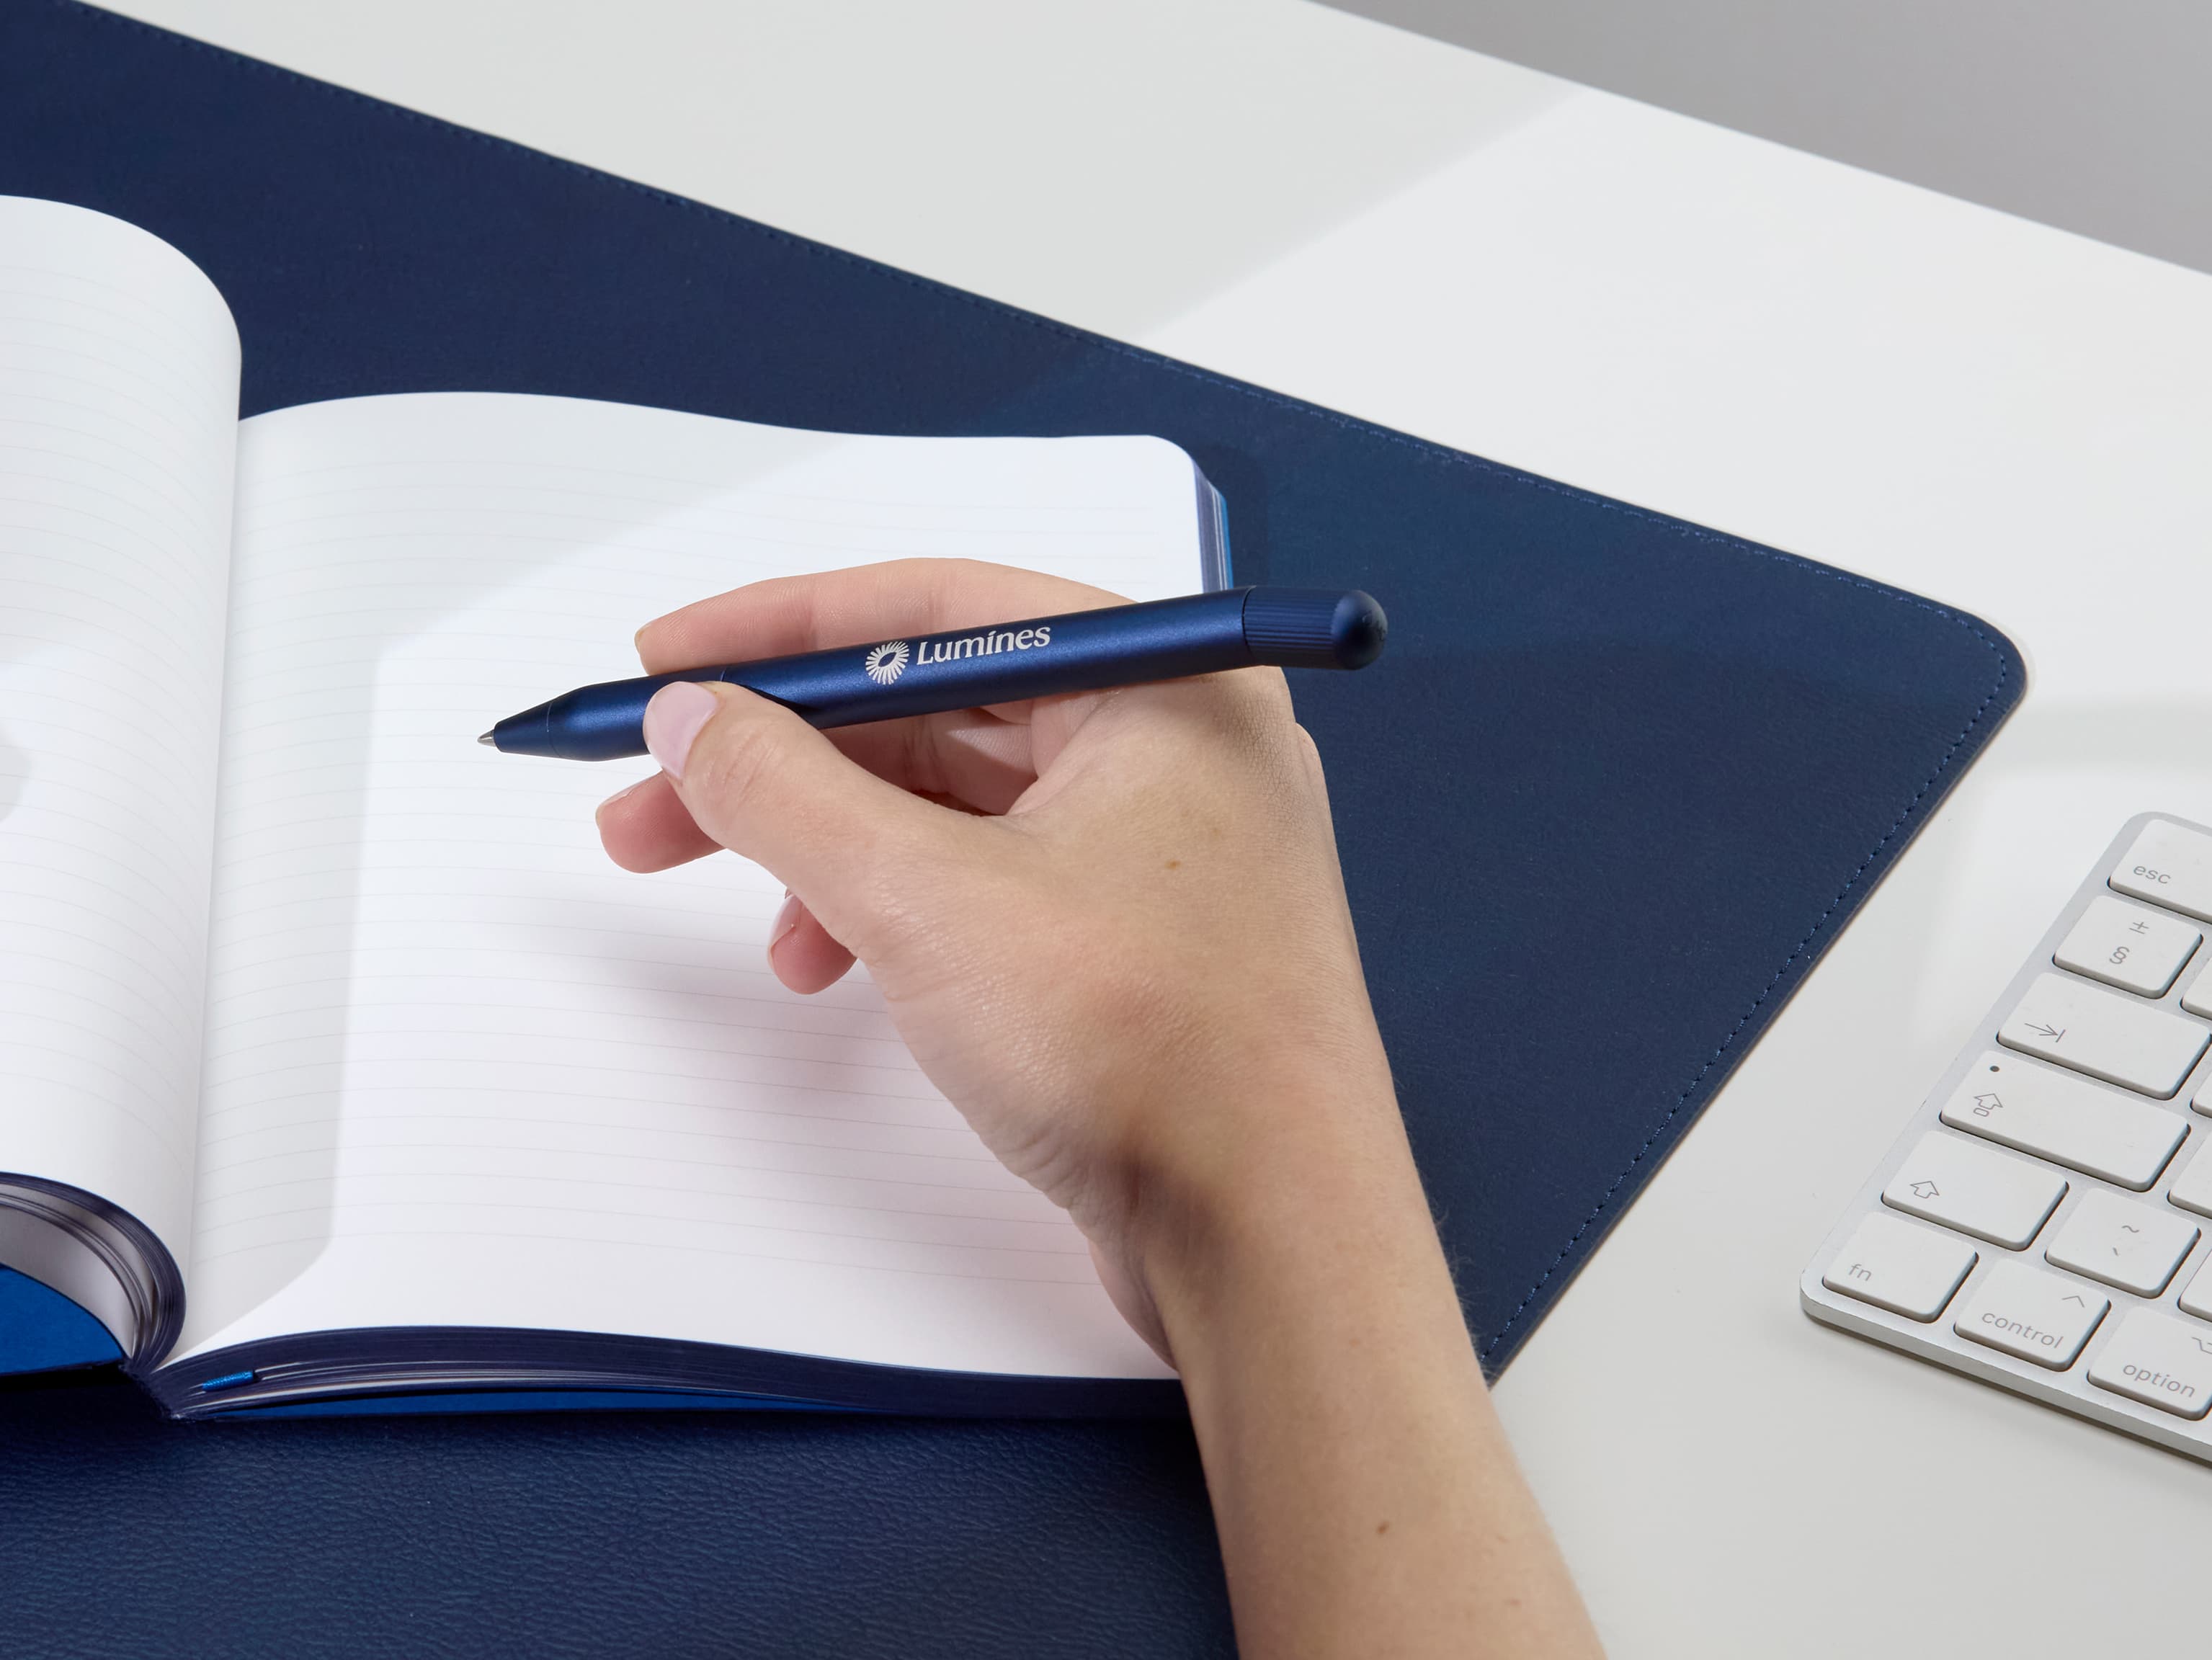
[{"x": 2001, "y": 694}]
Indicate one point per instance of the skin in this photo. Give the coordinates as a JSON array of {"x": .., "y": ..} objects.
[{"x": 1113, "y": 930}]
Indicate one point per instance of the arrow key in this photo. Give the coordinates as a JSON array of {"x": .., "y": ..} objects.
[{"x": 1975, "y": 1190}]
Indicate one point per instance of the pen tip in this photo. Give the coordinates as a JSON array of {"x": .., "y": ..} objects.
[{"x": 486, "y": 739}]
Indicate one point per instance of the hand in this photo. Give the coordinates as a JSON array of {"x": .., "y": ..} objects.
[
  {"x": 1112, "y": 929},
  {"x": 1110, "y": 926}
]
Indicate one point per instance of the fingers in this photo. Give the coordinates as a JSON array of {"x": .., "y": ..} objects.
[
  {"x": 647, "y": 827},
  {"x": 801, "y": 952},
  {"x": 761, "y": 781},
  {"x": 975, "y": 761},
  {"x": 853, "y": 607},
  {"x": 975, "y": 756}
]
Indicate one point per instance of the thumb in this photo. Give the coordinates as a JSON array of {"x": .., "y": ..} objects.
[{"x": 765, "y": 785}]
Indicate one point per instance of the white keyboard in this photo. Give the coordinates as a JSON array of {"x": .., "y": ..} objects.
[{"x": 2041, "y": 1223}]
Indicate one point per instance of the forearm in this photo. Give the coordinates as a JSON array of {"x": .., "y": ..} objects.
[{"x": 1367, "y": 1502}]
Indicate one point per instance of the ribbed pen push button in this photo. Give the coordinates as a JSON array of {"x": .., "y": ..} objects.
[{"x": 1315, "y": 628}]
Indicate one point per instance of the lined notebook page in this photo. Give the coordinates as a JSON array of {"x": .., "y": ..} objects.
[
  {"x": 118, "y": 414},
  {"x": 460, "y": 1069}
]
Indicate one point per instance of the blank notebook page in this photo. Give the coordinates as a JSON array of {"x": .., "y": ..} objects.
[
  {"x": 118, "y": 414},
  {"x": 460, "y": 1069}
]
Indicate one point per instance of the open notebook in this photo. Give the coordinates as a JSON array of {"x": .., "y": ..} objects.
[{"x": 336, "y": 1059}]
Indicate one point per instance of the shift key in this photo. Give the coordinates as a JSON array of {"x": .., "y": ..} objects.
[
  {"x": 2120, "y": 1039},
  {"x": 2066, "y": 1119}
]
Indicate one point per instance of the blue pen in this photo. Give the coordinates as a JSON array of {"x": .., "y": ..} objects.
[{"x": 996, "y": 663}]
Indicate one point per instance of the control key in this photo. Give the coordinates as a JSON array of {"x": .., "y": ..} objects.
[{"x": 2036, "y": 1316}]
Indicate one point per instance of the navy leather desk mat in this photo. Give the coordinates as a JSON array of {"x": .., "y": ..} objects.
[{"x": 1617, "y": 783}]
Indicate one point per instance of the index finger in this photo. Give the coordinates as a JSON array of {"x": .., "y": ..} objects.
[{"x": 790, "y": 614}]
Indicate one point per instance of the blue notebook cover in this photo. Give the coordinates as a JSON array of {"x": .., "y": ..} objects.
[{"x": 1617, "y": 774}]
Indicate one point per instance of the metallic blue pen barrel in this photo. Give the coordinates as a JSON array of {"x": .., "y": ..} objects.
[{"x": 1002, "y": 663}]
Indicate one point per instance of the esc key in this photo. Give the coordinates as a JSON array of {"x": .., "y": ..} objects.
[{"x": 2168, "y": 865}]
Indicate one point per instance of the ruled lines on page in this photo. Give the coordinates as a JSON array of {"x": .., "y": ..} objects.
[
  {"x": 118, "y": 416},
  {"x": 460, "y": 1069}
]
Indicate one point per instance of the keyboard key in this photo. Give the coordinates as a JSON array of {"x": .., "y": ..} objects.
[
  {"x": 2066, "y": 1121},
  {"x": 2160, "y": 1360},
  {"x": 2192, "y": 1188},
  {"x": 2197, "y": 999},
  {"x": 1894, "y": 1265},
  {"x": 1976, "y": 1191},
  {"x": 2197, "y": 1296},
  {"x": 2110, "y": 1038},
  {"x": 2122, "y": 1242},
  {"x": 2168, "y": 865},
  {"x": 2128, "y": 946},
  {"x": 2036, "y": 1316}
]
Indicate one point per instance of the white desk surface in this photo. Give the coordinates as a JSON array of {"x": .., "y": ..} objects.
[{"x": 1981, "y": 409}]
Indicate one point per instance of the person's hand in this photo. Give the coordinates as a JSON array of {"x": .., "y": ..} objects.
[
  {"x": 1110, "y": 926},
  {"x": 1112, "y": 929}
]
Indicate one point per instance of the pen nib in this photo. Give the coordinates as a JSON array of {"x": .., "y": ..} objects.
[{"x": 486, "y": 739}]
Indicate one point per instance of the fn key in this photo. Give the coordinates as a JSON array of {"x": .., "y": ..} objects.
[{"x": 1895, "y": 1266}]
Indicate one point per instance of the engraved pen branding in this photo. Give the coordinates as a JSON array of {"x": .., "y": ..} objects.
[{"x": 885, "y": 663}]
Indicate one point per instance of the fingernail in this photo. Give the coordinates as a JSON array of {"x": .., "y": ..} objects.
[
  {"x": 620, "y": 795},
  {"x": 672, "y": 721},
  {"x": 786, "y": 921}
]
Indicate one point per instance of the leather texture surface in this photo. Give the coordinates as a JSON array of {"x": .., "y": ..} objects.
[
  {"x": 666, "y": 1536},
  {"x": 1617, "y": 782}
]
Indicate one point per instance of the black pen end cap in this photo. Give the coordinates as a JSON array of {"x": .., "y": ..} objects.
[{"x": 1357, "y": 630}]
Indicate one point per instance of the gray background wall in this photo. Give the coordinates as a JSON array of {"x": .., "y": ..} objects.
[{"x": 2092, "y": 115}]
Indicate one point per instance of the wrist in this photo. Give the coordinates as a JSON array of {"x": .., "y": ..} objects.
[{"x": 1312, "y": 1220}]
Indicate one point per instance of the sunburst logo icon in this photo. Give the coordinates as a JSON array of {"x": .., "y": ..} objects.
[{"x": 886, "y": 662}]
